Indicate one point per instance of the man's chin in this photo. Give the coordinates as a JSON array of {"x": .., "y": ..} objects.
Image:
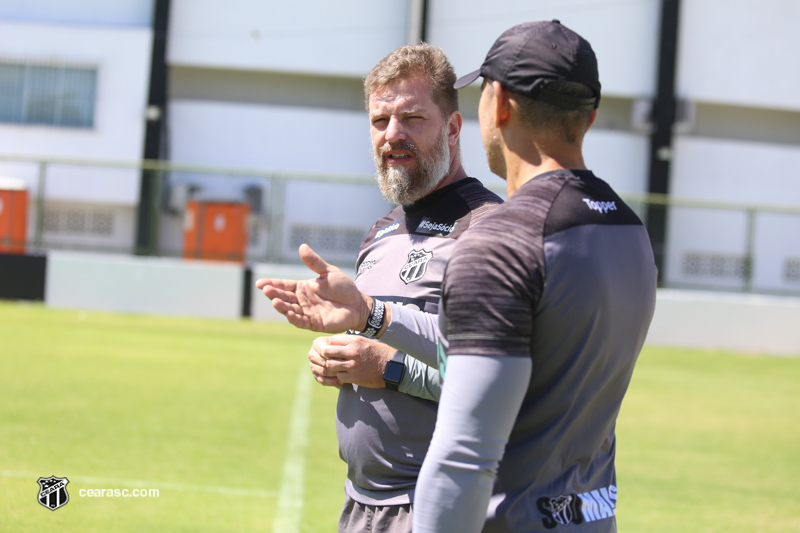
[{"x": 399, "y": 196}]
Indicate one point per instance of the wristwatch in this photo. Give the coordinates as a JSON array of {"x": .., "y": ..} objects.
[
  {"x": 375, "y": 320},
  {"x": 394, "y": 371}
]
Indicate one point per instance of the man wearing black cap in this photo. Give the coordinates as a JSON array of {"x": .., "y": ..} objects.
[{"x": 546, "y": 305}]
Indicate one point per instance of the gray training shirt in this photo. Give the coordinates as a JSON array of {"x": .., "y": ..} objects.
[
  {"x": 384, "y": 435},
  {"x": 562, "y": 275}
]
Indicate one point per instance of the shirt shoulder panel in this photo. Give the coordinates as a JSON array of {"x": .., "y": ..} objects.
[
  {"x": 587, "y": 200},
  {"x": 495, "y": 276}
]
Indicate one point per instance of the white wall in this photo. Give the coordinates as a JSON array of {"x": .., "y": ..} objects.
[
  {"x": 122, "y": 58},
  {"x": 777, "y": 241},
  {"x": 740, "y": 52},
  {"x": 270, "y": 137},
  {"x": 624, "y": 34},
  {"x": 736, "y": 322},
  {"x": 131, "y": 13},
  {"x": 144, "y": 285},
  {"x": 466, "y": 29},
  {"x": 346, "y": 37},
  {"x": 720, "y": 169},
  {"x": 692, "y": 319},
  {"x": 734, "y": 171},
  {"x": 619, "y": 158}
]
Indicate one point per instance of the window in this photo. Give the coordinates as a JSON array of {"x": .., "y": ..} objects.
[
  {"x": 718, "y": 265},
  {"x": 51, "y": 95},
  {"x": 791, "y": 270},
  {"x": 327, "y": 238},
  {"x": 78, "y": 220}
]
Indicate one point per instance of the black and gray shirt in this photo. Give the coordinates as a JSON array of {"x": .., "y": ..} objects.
[
  {"x": 384, "y": 435},
  {"x": 547, "y": 304}
]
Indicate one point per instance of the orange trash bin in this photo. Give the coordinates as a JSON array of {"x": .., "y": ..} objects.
[
  {"x": 215, "y": 230},
  {"x": 13, "y": 215}
]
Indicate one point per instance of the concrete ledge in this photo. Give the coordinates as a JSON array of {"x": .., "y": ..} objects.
[
  {"x": 162, "y": 286},
  {"x": 736, "y": 322},
  {"x": 693, "y": 319}
]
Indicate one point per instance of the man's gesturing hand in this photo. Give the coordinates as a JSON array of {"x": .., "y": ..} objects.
[{"x": 329, "y": 303}]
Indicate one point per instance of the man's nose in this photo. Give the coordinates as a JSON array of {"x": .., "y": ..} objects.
[{"x": 395, "y": 131}]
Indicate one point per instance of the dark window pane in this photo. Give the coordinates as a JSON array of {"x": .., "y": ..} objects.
[
  {"x": 77, "y": 99},
  {"x": 43, "y": 93},
  {"x": 47, "y": 95},
  {"x": 12, "y": 78}
]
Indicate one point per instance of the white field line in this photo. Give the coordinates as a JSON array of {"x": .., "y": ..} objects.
[
  {"x": 180, "y": 487},
  {"x": 290, "y": 499}
]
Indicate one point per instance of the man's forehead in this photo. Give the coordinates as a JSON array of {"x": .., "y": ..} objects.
[{"x": 413, "y": 93}]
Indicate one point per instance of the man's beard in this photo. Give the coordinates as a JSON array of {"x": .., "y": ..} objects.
[
  {"x": 494, "y": 155},
  {"x": 404, "y": 186}
]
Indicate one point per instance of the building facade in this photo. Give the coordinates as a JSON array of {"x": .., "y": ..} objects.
[{"x": 276, "y": 87}]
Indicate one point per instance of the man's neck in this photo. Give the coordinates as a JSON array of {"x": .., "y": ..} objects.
[
  {"x": 522, "y": 166},
  {"x": 455, "y": 174}
]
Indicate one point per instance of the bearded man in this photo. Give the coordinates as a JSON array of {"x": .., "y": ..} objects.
[{"x": 388, "y": 400}]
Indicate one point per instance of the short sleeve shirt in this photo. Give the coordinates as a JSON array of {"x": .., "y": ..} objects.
[{"x": 562, "y": 273}]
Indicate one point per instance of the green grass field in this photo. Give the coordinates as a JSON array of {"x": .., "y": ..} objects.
[{"x": 204, "y": 411}]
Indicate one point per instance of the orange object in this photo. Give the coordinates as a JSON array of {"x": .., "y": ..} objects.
[
  {"x": 13, "y": 216},
  {"x": 215, "y": 230}
]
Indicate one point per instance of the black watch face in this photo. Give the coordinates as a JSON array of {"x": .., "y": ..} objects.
[{"x": 393, "y": 372}]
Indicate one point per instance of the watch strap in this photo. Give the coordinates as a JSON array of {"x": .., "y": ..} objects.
[{"x": 375, "y": 320}]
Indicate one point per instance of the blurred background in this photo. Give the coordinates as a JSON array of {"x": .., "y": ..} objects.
[{"x": 236, "y": 130}]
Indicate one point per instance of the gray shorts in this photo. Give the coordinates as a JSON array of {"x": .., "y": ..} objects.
[{"x": 361, "y": 518}]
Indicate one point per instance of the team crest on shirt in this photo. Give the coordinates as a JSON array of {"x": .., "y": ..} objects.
[
  {"x": 562, "y": 510},
  {"x": 416, "y": 266},
  {"x": 588, "y": 506}
]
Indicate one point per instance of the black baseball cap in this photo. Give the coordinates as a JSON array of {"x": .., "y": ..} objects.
[{"x": 529, "y": 56}]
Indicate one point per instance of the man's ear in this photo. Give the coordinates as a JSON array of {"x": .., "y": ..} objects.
[
  {"x": 592, "y": 118},
  {"x": 501, "y": 103},
  {"x": 454, "y": 124}
]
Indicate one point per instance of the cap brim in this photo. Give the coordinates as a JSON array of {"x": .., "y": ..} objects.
[{"x": 465, "y": 80}]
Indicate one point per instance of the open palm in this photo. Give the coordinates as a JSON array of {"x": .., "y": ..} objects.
[{"x": 329, "y": 303}]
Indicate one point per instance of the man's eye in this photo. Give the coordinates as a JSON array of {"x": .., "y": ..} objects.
[{"x": 378, "y": 122}]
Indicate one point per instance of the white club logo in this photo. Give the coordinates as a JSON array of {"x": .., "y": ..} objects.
[
  {"x": 416, "y": 266},
  {"x": 53, "y": 492}
]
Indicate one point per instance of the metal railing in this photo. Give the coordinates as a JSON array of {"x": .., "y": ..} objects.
[
  {"x": 276, "y": 181},
  {"x": 752, "y": 211},
  {"x": 747, "y": 247}
]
